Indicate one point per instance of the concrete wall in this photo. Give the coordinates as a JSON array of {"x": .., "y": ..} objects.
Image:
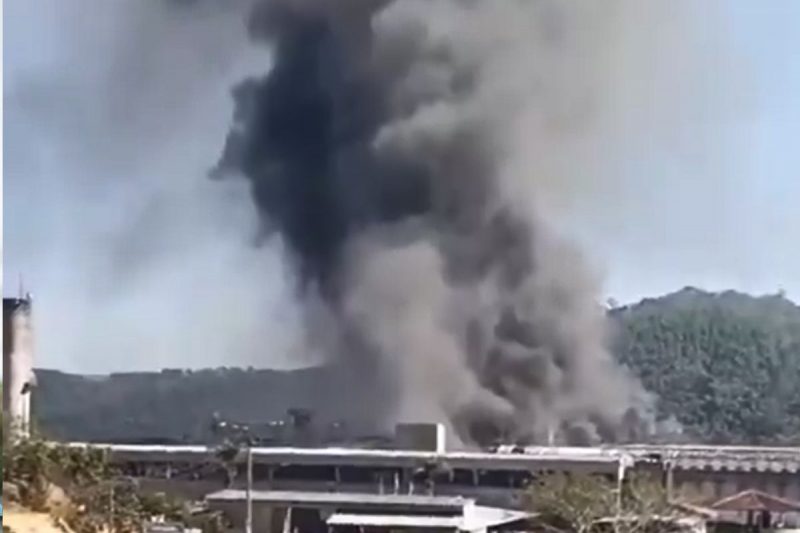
[
  {"x": 705, "y": 485},
  {"x": 423, "y": 437}
]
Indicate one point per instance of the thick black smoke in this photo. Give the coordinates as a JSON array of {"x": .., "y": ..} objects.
[
  {"x": 375, "y": 147},
  {"x": 305, "y": 136}
]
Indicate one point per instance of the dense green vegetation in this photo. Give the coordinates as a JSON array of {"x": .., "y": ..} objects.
[
  {"x": 726, "y": 366},
  {"x": 79, "y": 487}
]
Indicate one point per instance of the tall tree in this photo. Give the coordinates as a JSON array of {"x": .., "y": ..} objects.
[{"x": 583, "y": 503}]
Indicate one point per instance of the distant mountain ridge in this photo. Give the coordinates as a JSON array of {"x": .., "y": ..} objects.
[
  {"x": 725, "y": 365},
  {"x": 171, "y": 404}
]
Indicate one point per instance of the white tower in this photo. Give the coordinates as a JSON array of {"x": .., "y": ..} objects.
[{"x": 19, "y": 380}]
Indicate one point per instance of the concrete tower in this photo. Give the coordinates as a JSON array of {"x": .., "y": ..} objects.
[{"x": 17, "y": 366}]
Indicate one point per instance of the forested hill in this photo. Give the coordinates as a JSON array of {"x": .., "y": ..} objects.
[{"x": 726, "y": 366}]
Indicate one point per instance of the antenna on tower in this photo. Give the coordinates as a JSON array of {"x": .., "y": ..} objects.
[{"x": 23, "y": 294}]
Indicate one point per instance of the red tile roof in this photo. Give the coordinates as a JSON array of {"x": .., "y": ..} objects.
[{"x": 754, "y": 500}]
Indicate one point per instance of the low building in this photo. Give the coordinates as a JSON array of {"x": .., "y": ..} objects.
[
  {"x": 315, "y": 512},
  {"x": 699, "y": 474}
]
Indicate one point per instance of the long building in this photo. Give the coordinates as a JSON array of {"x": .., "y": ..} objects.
[{"x": 499, "y": 478}]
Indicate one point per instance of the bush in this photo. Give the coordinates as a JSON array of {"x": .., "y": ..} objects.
[{"x": 95, "y": 494}]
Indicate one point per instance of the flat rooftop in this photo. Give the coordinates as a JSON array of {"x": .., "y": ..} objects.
[
  {"x": 369, "y": 458},
  {"x": 343, "y": 499},
  {"x": 597, "y": 459},
  {"x": 396, "y": 521},
  {"x": 477, "y": 519}
]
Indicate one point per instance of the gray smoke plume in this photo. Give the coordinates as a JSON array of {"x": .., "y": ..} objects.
[
  {"x": 113, "y": 114},
  {"x": 399, "y": 148}
]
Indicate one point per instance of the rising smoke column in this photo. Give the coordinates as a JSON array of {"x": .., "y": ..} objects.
[{"x": 379, "y": 147}]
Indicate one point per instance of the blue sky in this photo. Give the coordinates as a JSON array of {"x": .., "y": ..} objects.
[
  {"x": 705, "y": 194},
  {"x": 734, "y": 221}
]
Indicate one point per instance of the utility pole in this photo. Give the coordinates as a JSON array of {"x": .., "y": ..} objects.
[
  {"x": 239, "y": 439},
  {"x": 670, "y": 481},
  {"x": 111, "y": 507},
  {"x": 249, "y": 519},
  {"x": 625, "y": 461}
]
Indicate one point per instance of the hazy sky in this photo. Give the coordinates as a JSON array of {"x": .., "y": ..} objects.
[
  {"x": 743, "y": 231},
  {"x": 113, "y": 112}
]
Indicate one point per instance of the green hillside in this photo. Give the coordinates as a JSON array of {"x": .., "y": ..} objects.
[{"x": 726, "y": 366}]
